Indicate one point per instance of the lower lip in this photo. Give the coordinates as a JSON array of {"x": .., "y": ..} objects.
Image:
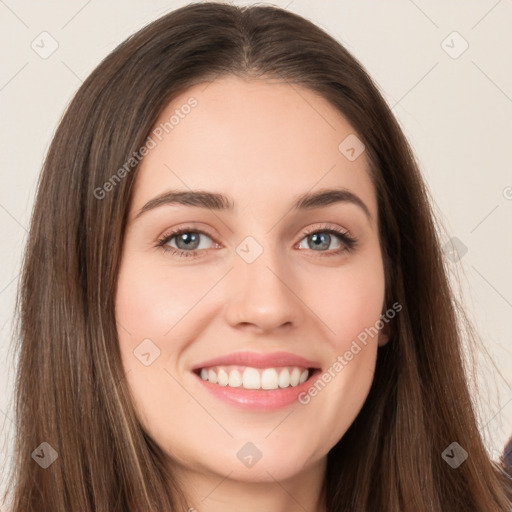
[{"x": 259, "y": 399}]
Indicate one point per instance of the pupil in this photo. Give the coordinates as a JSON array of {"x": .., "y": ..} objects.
[
  {"x": 317, "y": 238},
  {"x": 188, "y": 239}
]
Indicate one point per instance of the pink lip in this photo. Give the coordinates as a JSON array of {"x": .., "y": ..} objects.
[
  {"x": 259, "y": 399},
  {"x": 256, "y": 360}
]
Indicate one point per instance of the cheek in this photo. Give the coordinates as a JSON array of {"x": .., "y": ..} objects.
[
  {"x": 152, "y": 299},
  {"x": 347, "y": 302},
  {"x": 157, "y": 311},
  {"x": 153, "y": 305}
]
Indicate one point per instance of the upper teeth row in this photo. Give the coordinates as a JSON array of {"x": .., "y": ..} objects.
[{"x": 255, "y": 378}]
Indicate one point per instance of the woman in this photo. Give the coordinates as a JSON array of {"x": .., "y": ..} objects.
[{"x": 185, "y": 341}]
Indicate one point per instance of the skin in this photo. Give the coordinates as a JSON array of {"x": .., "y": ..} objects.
[{"x": 263, "y": 143}]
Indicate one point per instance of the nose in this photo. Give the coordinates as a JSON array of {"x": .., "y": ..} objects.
[{"x": 261, "y": 295}]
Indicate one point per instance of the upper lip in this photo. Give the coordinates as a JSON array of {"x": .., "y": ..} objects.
[{"x": 258, "y": 360}]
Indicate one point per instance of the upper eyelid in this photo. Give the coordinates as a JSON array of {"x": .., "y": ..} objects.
[{"x": 171, "y": 233}]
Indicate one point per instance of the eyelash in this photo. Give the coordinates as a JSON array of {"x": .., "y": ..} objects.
[{"x": 349, "y": 242}]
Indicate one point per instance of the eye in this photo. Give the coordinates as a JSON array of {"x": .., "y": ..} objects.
[
  {"x": 188, "y": 242},
  {"x": 321, "y": 238}
]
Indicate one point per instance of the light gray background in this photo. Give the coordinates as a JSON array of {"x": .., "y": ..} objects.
[{"x": 456, "y": 112}]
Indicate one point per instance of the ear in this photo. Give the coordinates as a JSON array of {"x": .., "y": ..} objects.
[{"x": 384, "y": 335}]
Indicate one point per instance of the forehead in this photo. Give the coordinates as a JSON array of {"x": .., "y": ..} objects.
[{"x": 255, "y": 140}]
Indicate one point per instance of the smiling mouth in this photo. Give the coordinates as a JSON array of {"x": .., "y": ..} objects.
[{"x": 246, "y": 377}]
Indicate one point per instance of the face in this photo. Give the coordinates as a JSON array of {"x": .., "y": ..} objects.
[{"x": 256, "y": 296}]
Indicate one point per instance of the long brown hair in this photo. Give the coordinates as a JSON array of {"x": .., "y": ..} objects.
[{"x": 71, "y": 396}]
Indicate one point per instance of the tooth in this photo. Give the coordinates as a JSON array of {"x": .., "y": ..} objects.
[
  {"x": 295, "y": 377},
  {"x": 284, "y": 378},
  {"x": 212, "y": 376},
  {"x": 254, "y": 378},
  {"x": 251, "y": 379},
  {"x": 269, "y": 379},
  {"x": 223, "y": 377},
  {"x": 235, "y": 379}
]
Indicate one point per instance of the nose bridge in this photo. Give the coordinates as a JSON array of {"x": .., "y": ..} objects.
[{"x": 261, "y": 287}]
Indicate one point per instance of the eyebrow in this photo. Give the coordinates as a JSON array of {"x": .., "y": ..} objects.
[{"x": 221, "y": 202}]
